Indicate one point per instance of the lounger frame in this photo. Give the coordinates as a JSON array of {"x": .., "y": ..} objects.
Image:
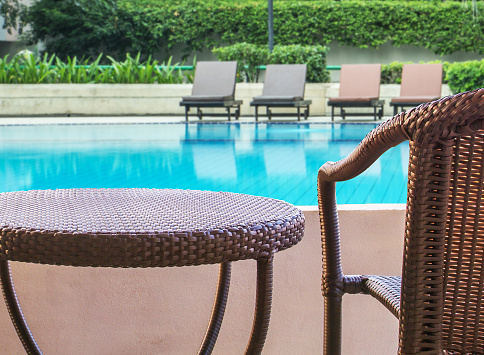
[
  {"x": 376, "y": 104},
  {"x": 228, "y": 105},
  {"x": 299, "y": 105}
]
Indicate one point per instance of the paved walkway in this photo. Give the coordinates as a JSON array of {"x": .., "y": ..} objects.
[{"x": 161, "y": 119}]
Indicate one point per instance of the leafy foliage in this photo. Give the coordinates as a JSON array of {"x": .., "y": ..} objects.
[
  {"x": 392, "y": 73},
  {"x": 313, "y": 56},
  {"x": 465, "y": 76},
  {"x": 250, "y": 57},
  {"x": 25, "y": 68},
  {"x": 80, "y": 28},
  {"x": 89, "y": 27}
]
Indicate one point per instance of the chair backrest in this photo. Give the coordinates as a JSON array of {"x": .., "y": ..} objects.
[
  {"x": 360, "y": 80},
  {"x": 421, "y": 80},
  {"x": 442, "y": 294},
  {"x": 215, "y": 79},
  {"x": 285, "y": 80}
]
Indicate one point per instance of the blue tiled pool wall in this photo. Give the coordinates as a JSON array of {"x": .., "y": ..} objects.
[{"x": 268, "y": 159}]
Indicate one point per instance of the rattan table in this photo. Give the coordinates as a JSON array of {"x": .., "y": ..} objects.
[{"x": 147, "y": 228}]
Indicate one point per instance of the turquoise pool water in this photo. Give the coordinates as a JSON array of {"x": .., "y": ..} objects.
[{"x": 278, "y": 160}]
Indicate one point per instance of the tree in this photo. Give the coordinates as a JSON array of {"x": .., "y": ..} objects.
[{"x": 13, "y": 12}]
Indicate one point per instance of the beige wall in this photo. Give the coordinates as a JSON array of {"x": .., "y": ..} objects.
[
  {"x": 104, "y": 311},
  {"x": 145, "y": 99}
]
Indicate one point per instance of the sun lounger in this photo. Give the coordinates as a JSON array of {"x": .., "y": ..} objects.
[
  {"x": 359, "y": 87},
  {"x": 284, "y": 86},
  {"x": 421, "y": 83},
  {"x": 213, "y": 86}
]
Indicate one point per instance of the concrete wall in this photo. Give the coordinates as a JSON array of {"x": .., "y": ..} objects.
[
  {"x": 144, "y": 99},
  {"x": 102, "y": 311}
]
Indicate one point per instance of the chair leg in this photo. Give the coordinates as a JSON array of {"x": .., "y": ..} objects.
[
  {"x": 218, "y": 310},
  {"x": 15, "y": 311},
  {"x": 332, "y": 325},
  {"x": 262, "y": 307},
  {"x": 199, "y": 113},
  {"x": 298, "y": 113},
  {"x": 228, "y": 112},
  {"x": 268, "y": 113},
  {"x": 237, "y": 113},
  {"x": 187, "y": 108},
  {"x": 332, "y": 113},
  {"x": 395, "y": 110},
  {"x": 374, "y": 113},
  {"x": 256, "y": 113},
  {"x": 343, "y": 113},
  {"x": 306, "y": 113}
]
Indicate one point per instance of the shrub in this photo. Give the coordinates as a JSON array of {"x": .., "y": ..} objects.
[
  {"x": 465, "y": 76},
  {"x": 88, "y": 27},
  {"x": 392, "y": 73},
  {"x": 313, "y": 56},
  {"x": 250, "y": 57}
]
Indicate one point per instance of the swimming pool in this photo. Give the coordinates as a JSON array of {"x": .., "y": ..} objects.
[{"x": 278, "y": 160}]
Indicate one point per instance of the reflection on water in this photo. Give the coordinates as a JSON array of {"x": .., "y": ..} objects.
[{"x": 274, "y": 160}]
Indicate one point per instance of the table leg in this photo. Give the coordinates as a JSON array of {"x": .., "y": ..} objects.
[
  {"x": 262, "y": 307},
  {"x": 218, "y": 310},
  {"x": 14, "y": 310}
]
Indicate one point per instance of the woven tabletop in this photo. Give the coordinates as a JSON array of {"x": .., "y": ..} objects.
[{"x": 143, "y": 227}]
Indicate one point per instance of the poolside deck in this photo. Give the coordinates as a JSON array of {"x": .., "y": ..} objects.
[{"x": 171, "y": 118}]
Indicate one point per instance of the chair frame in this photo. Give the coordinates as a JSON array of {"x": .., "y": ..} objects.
[
  {"x": 376, "y": 104},
  {"x": 269, "y": 99},
  {"x": 228, "y": 105},
  {"x": 302, "y": 104},
  {"x": 443, "y": 184},
  {"x": 206, "y": 94},
  {"x": 355, "y": 92}
]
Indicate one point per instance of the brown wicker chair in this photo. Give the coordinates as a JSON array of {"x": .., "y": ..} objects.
[{"x": 439, "y": 298}]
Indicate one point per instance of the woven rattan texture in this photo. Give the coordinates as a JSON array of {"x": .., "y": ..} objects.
[
  {"x": 443, "y": 262},
  {"x": 386, "y": 289},
  {"x": 143, "y": 227}
]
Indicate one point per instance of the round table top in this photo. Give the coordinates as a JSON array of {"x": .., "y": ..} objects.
[{"x": 143, "y": 227}]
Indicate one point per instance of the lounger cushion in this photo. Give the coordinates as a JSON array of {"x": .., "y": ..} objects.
[
  {"x": 414, "y": 99},
  {"x": 360, "y": 81},
  {"x": 284, "y": 80},
  {"x": 421, "y": 80},
  {"x": 211, "y": 98},
  {"x": 214, "y": 81},
  {"x": 268, "y": 99},
  {"x": 352, "y": 99}
]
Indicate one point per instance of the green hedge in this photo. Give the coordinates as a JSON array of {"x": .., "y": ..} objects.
[
  {"x": 250, "y": 57},
  {"x": 465, "y": 76},
  {"x": 77, "y": 27}
]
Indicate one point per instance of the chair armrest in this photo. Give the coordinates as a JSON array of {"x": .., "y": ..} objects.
[
  {"x": 387, "y": 135},
  {"x": 383, "y": 137}
]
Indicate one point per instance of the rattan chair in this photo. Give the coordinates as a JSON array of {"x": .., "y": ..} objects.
[{"x": 439, "y": 298}]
